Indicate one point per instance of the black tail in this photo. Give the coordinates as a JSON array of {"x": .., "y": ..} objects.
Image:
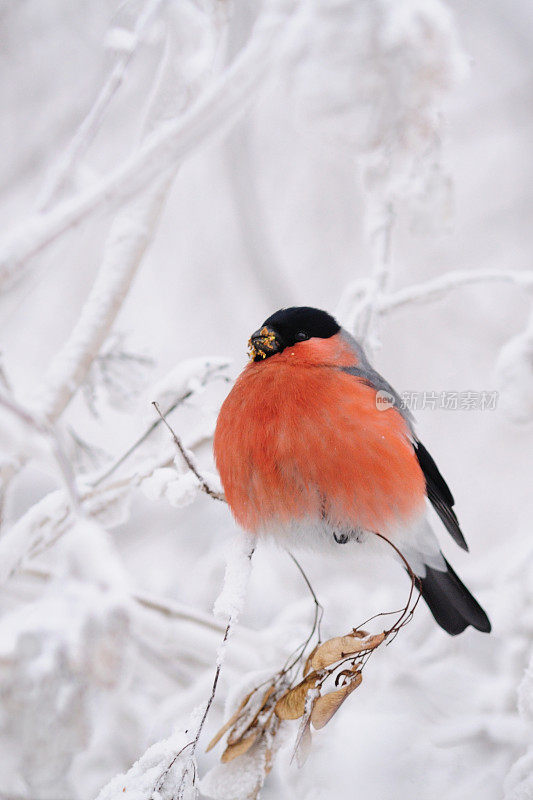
[{"x": 451, "y": 603}]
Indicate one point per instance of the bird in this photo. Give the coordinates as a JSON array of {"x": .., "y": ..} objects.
[{"x": 314, "y": 449}]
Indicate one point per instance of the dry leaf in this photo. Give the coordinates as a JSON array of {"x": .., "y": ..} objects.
[
  {"x": 327, "y": 705},
  {"x": 239, "y": 748},
  {"x": 292, "y": 704},
  {"x": 271, "y": 733},
  {"x": 231, "y": 721},
  {"x": 341, "y": 646},
  {"x": 374, "y": 641},
  {"x": 249, "y": 719},
  {"x": 307, "y": 667},
  {"x": 345, "y": 673},
  {"x": 304, "y": 739}
]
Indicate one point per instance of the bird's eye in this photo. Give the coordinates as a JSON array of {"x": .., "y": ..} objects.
[{"x": 301, "y": 336}]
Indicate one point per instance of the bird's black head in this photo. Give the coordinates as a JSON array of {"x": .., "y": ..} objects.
[{"x": 287, "y": 327}]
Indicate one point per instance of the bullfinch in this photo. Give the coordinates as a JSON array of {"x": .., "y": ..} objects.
[{"x": 309, "y": 452}]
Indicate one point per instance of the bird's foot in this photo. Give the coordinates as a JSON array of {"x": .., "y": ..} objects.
[{"x": 340, "y": 538}]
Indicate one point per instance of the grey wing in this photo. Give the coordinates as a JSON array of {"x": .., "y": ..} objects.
[
  {"x": 364, "y": 370},
  {"x": 437, "y": 489}
]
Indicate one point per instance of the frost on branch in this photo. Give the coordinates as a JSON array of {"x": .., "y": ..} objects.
[
  {"x": 117, "y": 374},
  {"x": 259, "y": 725},
  {"x": 141, "y": 782},
  {"x": 230, "y": 603},
  {"x": 179, "y": 489},
  {"x": 370, "y": 78},
  {"x": 186, "y": 378}
]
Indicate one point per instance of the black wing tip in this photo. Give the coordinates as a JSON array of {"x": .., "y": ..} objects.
[
  {"x": 439, "y": 494},
  {"x": 432, "y": 473},
  {"x": 447, "y": 517},
  {"x": 455, "y": 531},
  {"x": 454, "y": 629},
  {"x": 452, "y": 605}
]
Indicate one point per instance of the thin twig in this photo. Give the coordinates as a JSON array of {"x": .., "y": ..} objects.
[
  {"x": 221, "y": 104},
  {"x": 438, "y": 287},
  {"x": 178, "y": 402},
  {"x": 188, "y": 460},
  {"x": 129, "y": 236},
  {"x": 93, "y": 120},
  {"x": 194, "y": 742},
  {"x": 406, "y": 613},
  {"x": 113, "y": 468},
  {"x": 191, "y": 765},
  {"x": 297, "y": 654}
]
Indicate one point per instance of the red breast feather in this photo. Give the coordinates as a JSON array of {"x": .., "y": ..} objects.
[{"x": 297, "y": 437}]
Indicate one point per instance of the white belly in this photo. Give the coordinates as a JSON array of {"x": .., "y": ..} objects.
[{"x": 416, "y": 541}]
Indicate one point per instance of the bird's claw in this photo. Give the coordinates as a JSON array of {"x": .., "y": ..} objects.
[{"x": 341, "y": 538}]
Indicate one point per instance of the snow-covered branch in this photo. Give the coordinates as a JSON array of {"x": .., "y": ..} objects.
[
  {"x": 50, "y": 518},
  {"x": 128, "y": 239},
  {"x": 66, "y": 166},
  {"x": 219, "y": 106},
  {"x": 436, "y": 288},
  {"x": 188, "y": 458}
]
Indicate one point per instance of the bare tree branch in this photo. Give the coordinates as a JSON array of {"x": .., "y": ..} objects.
[
  {"x": 219, "y": 106},
  {"x": 128, "y": 240},
  {"x": 438, "y": 287},
  {"x": 94, "y": 118}
]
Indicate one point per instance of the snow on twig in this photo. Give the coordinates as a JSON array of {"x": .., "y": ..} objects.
[
  {"x": 138, "y": 783},
  {"x": 128, "y": 239},
  {"x": 50, "y": 518},
  {"x": 217, "y": 108},
  {"x": 189, "y": 459},
  {"x": 438, "y": 287},
  {"x": 230, "y": 602},
  {"x": 365, "y": 320},
  {"x": 363, "y": 302},
  {"x": 182, "y": 383},
  {"x": 93, "y": 120}
]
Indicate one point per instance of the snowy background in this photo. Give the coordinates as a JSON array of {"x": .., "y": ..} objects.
[{"x": 172, "y": 173}]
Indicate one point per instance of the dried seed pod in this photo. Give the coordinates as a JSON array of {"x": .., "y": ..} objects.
[
  {"x": 342, "y": 646},
  {"x": 302, "y": 747},
  {"x": 231, "y": 721},
  {"x": 249, "y": 717},
  {"x": 292, "y": 704},
  {"x": 327, "y": 705},
  {"x": 240, "y": 747},
  {"x": 271, "y": 734},
  {"x": 307, "y": 667}
]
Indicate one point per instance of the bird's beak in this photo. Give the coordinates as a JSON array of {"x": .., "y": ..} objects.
[{"x": 263, "y": 343}]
